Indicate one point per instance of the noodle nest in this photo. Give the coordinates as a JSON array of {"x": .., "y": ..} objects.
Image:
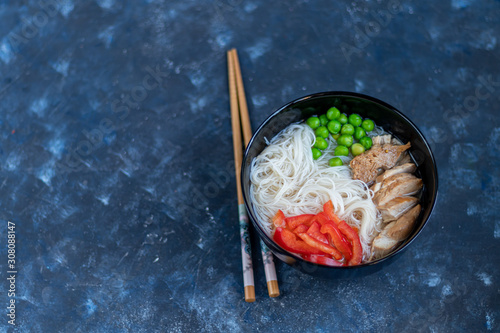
[{"x": 285, "y": 176}]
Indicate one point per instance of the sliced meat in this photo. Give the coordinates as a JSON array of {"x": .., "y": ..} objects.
[
  {"x": 394, "y": 233},
  {"x": 382, "y": 244},
  {"x": 390, "y": 180},
  {"x": 389, "y": 169},
  {"x": 404, "y": 158},
  {"x": 396, "y": 178},
  {"x": 367, "y": 166},
  {"x": 404, "y": 225},
  {"x": 375, "y": 187},
  {"x": 404, "y": 186},
  {"x": 395, "y": 208},
  {"x": 381, "y": 139},
  {"x": 405, "y": 168}
]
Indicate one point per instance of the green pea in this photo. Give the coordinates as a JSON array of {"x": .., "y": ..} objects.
[
  {"x": 357, "y": 149},
  {"x": 359, "y": 133},
  {"x": 313, "y": 122},
  {"x": 323, "y": 120},
  {"x": 336, "y": 161},
  {"x": 345, "y": 140},
  {"x": 341, "y": 151},
  {"x": 320, "y": 143},
  {"x": 347, "y": 129},
  {"x": 355, "y": 119},
  {"x": 332, "y": 113},
  {"x": 336, "y": 136},
  {"x": 366, "y": 142},
  {"x": 368, "y": 125},
  {"x": 342, "y": 118},
  {"x": 322, "y": 131},
  {"x": 334, "y": 126},
  {"x": 316, "y": 153}
]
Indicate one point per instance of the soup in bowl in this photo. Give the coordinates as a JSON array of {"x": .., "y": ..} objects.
[{"x": 338, "y": 182}]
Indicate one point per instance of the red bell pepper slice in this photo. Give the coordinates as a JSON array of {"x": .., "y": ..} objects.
[
  {"x": 313, "y": 242},
  {"x": 338, "y": 240},
  {"x": 330, "y": 212},
  {"x": 322, "y": 259},
  {"x": 295, "y": 221},
  {"x": 300, "y": 228},
  {"x": 289, "y": 241},
  {"x": 279, "y": 219},
  {"x": 352, "y": 236},
  {"x": 357, "y": 250},
  {"x": 308, "y": 236},
  {"x": 314, "y": 231},
  {"x": 322, "y": 218}
]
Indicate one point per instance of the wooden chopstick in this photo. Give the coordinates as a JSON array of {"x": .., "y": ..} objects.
[
  {"x": 242, "y": 101},
  {"x": 267, "y": 256},
  {"x": 246, "y": 254}
]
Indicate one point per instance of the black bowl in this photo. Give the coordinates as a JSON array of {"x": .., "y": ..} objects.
[{"x": 392, "y": 120}]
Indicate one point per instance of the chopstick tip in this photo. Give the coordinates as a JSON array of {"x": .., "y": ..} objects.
[
  {"x": 273, "y": 289},
  {"x": 249, "y": 294}
]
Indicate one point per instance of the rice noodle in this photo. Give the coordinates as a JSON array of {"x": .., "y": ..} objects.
[{"x": 285, "y": 176}]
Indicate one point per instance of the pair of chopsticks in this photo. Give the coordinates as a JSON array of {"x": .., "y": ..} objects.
[{"x": 241, "y": 121}]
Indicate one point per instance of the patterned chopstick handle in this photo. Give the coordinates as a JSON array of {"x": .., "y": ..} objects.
[
  {"x": 246, "y": 254},
  {"x": 270, "y": 270}
]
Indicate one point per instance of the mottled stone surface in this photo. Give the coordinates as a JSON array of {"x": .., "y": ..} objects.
[{"x": 116, "y": 152}]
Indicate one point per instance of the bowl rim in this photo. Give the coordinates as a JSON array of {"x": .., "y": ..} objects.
[{"x": 246, "y": 200}]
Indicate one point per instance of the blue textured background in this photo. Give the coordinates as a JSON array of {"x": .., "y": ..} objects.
[{"x": 121, "y": 185}]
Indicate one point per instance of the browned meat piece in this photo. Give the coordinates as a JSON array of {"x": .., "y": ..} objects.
[
  {"x": 397, "y": 177},
  {"x": 382, "y": 244},
  {"x": 393, "y": 233},
  {"x": 393, "y": 210},
  {"x": 375, "y": 187},
  {"x": 404, "y": 158},
  {"x": 368, "y": 165},
  {"x": 389, "y": 169},
  {"x": 405, "y": 168},
  {"x": 402, "y": 186},
  {"x": 404, "y": 225}
]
